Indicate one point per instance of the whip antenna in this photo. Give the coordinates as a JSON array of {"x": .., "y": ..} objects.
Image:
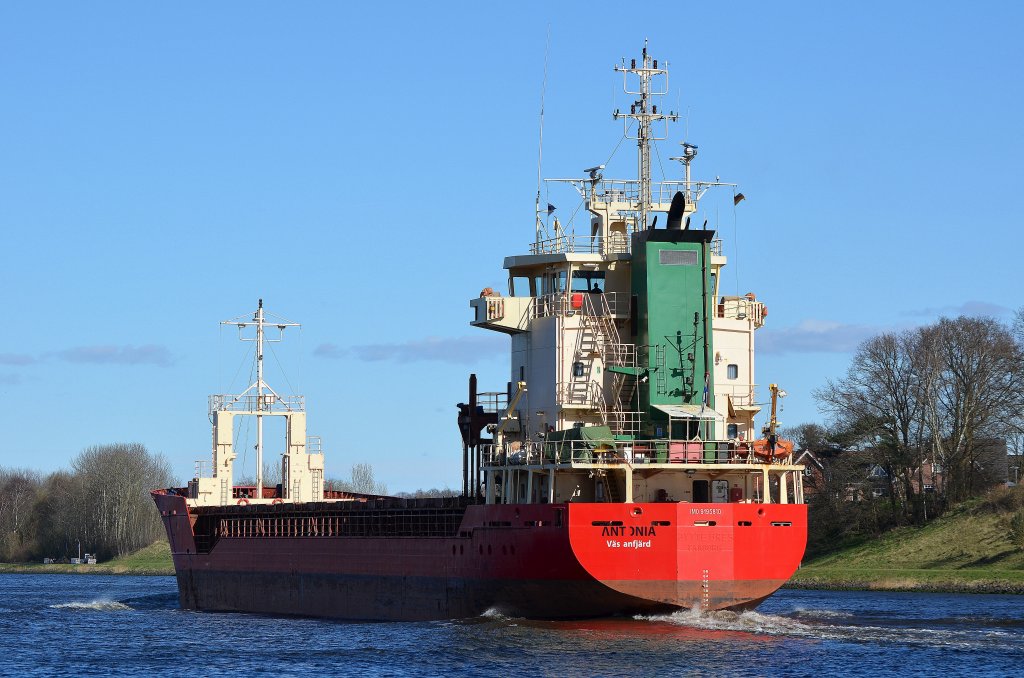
[{"x": 540, "y": 143}]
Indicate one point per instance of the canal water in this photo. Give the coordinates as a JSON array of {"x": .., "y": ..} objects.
[{"x": 120, "y": 625}]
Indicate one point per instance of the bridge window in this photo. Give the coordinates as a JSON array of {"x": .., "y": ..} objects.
[
  {"x": 588, "y": 281},
  {"x": 519, "y": 286},
  {"x": 732, "y": 371}
]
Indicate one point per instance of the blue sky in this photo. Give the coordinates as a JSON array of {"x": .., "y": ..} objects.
[{"x": 365, "y": 171}]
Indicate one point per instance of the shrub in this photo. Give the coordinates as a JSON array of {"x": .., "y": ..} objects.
[
  {"x": 1003, "y": 499},
  {"x": 1017, "y": 529}
]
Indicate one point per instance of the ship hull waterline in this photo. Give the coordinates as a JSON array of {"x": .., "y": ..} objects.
[{"x": 537, "y": 561}]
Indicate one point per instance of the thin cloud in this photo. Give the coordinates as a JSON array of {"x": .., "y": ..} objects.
[
  {"x": 814, "y": 336},
  {"x": 150, "y": 354},
  {"x": 970, "y": 308},
  {"x": 16, "y": 359},
  {"x": 330, "y": 351},
  {"x": 456, "y": 350},
  {"x": 10, "y": 379}
]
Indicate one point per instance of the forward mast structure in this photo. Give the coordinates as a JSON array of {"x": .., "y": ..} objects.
[{"x": 302, "y": 463}]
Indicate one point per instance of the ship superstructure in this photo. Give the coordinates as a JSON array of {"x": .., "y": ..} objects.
[
  {"x": 618, "y": 472},
  {"x": 626, "y": 358}
]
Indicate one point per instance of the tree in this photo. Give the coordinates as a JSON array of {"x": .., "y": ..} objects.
[
  {"x": 949, "y": 393},
  {"x": 881, "y": 401},
  {"x": 362, "y": 481},
  {"x": 975, "y": 378},
  {"x": 19, "y": 489},
  {"x": 813, "y": 437},
  {"x": 59, "y": 516},
  {"x": 118, "y": 514}
]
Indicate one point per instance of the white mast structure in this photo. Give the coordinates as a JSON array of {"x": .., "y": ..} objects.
[
  {"x": 302, "y": 464},
  {"x": 646, "y": 114},
  {"x": 259, "y": 397}
]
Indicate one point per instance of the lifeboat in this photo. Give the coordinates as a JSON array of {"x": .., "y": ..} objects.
[{"x": 783, "y": 448}]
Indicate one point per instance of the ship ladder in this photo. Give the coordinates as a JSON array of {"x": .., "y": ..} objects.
[{"x": 611, "y": 492}]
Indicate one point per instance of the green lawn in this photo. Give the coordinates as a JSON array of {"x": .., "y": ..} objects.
[
  {"x": 969, "y": 549},
  {"x": 152, "y": 560}
]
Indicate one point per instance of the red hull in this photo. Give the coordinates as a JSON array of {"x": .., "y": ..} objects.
[{"x": 535, "y": 560}]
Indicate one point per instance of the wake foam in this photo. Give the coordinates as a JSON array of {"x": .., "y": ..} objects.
[
  {"x": 95, "y": 605},
  {"x": 839, "y": 625},
  {"x": 726, "y": 620},
  {"x": 494, "y": 613}
]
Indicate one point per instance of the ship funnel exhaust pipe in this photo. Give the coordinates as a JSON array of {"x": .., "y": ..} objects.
[{"x": 676, "y": 211}]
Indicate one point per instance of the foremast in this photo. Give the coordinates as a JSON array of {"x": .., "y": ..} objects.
[{"x": 302, "y": 462}]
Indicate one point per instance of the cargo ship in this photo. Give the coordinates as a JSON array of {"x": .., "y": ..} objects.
[{"x": 618, "y": 472}]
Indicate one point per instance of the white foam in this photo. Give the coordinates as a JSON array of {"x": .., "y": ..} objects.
[
  {"x": 831, "y": 625},
  {"x": 822, "y": 614},
  {"x": 726, "y": 620},
  {"x": 96, "y": 605},
  {"x": 493, "y": 613}
]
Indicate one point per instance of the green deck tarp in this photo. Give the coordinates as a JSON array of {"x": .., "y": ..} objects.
[{"x": 577, "y": 444}]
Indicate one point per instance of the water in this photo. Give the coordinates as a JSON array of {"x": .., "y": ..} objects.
[{"x": 114, "y": 625}]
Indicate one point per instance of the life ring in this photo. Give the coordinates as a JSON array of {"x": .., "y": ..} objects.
[
  {"x": 243, "y": 502},
  {"x": 278, "y": 501}
]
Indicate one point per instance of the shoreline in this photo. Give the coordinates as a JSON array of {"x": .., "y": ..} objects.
[
  {"x": 903, "y": 586},
  {"x": 901, "y": 581},
  {"x": 909, "y": 580},
  {"x": 84, "y": 570}
]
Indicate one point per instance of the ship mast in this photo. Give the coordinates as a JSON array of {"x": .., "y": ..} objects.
[
  {"x": 259, "y": 392},
  {"x": 645, "y": 112}
]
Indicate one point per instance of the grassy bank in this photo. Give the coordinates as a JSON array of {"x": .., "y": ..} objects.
[
  {"x": 152, "y": 560},
  {"x": 968, "y": 550}
]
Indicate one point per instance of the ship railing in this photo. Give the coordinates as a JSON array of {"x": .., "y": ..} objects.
[
  {"x": 582, "y": 393},
  {"x": 576, "y": 452},
  {"x": 742, "y": 308},
  {"x": 741, "y": 396},
  {"x": 492, "y": 401},
  {"x": 567, "y": 242},
  {"x": 612, "y": 191},
  {"x": 620, "y": 355},
  {"x": 266, "y": 402},
  {"x": 623, "y": 422},
  {"x": 616, "y": 242},
  {"x": 615, "y": 304}
]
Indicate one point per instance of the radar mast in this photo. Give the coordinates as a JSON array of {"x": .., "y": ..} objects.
[{"x": 650, "y": 81}]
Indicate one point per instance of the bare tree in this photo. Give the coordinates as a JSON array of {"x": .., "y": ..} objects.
[
  {"x": 881, "y": 399},
  {"x": 59, "y": 516},
  {"x": 119, "y": 515},
  {"x": 974, "y": 385},
  {"x": 19, "y": 490},
  {"x": 361, "y": 481},
  {"x": 433, "y": 492},
  {"x": 809, "y": 436}
]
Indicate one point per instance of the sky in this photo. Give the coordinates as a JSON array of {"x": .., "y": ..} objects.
[{"x": 364, "y": 170}]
